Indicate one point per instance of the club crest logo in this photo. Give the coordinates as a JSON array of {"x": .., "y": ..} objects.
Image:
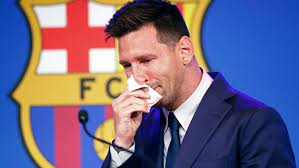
[{"x": 71, "y": 67}]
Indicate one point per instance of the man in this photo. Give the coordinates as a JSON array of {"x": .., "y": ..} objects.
[{"x": 200, "y": 121}]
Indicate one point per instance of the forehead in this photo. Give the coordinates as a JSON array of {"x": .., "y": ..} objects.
[
  {"x": 147, "y": 31},
  {"x": 140, "y": 42}
]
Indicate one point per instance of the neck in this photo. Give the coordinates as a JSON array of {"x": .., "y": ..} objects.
[{"x": 192, "y": 78}]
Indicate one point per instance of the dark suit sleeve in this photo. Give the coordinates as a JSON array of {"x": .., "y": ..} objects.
[
  {"x": 136, "y": 160},
  {"x": 265, "y": 142},
  {"x": 133, "y": 161}
]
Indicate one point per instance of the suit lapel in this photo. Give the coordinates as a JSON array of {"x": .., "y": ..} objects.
[{"x": 207, "y": 118}]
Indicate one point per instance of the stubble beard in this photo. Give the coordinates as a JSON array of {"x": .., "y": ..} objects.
[{"x": 166, "y": 102}]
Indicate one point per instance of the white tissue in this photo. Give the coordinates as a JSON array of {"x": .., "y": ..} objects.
[{"x": 154, "y": 96}]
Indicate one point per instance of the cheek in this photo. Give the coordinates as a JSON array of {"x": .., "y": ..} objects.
[
  {"x": 164, "y": 67},
  {"x": 163, "y": 71},
  {"x": 155, "y": 71},
  {"x": 159, "y": 74}
]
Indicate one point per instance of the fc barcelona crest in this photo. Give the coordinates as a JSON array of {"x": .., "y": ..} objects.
[{"x": 71, "y": 67}]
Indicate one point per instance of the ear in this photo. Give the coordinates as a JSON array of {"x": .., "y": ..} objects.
[{"x": 185, "y": 49}]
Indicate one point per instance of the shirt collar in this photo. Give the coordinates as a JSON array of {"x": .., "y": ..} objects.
[{"x": 185, "y": 112}]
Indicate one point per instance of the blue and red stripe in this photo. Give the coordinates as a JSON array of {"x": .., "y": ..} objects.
[{"x": 60, "y": 138}]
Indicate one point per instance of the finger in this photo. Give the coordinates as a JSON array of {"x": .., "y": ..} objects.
[
  {"x": 127, "y": 112},
  {"x": 122, "y": 96},
  {"x": 137, "y": 93},
  {"x": 132, "y": 100},
  {"x": 140, "y": 93}
]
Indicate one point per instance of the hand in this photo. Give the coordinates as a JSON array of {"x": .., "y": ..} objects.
[{"x": 128, "y": 108}]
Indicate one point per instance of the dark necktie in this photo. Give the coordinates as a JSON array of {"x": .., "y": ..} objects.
[{"x": 174, "y": 146}]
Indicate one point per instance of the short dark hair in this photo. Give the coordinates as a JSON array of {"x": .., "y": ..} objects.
[{"x": 164, "y": 16}]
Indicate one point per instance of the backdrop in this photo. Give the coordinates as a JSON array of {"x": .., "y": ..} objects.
[{"x": 254, "y": 43}]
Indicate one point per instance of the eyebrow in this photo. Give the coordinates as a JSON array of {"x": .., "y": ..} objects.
[
  {"x": 123, "y": 62},
  {"x": 141, "y": 57}
]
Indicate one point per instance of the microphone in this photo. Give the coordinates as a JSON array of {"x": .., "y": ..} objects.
[
  {"x": 145, "y": 161},
  {"x": 83, "y": 119}
]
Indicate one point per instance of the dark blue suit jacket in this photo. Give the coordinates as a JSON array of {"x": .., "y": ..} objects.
[{"x": 229, "y": 129}]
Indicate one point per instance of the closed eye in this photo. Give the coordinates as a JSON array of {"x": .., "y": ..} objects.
[
  {"x": 145, "y": 61},
  {"x": 126, "y": 65}
]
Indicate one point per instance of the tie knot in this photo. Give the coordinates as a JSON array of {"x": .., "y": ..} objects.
[{"x": 173, "y": 123}]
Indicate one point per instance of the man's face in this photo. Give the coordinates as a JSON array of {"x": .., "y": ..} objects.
[{"x": 153, "y": 63}]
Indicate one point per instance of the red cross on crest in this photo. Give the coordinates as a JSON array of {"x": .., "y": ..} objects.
[{"x": 77, "y": 37}]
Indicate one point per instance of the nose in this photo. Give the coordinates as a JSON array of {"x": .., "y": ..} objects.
[{"x": 139, "y": 75}]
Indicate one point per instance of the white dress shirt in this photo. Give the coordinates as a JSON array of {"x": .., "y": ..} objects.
[{"x": 184, "y": 114}]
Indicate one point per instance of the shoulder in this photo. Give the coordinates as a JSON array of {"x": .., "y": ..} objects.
[{"x": 250, "y": 108}]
